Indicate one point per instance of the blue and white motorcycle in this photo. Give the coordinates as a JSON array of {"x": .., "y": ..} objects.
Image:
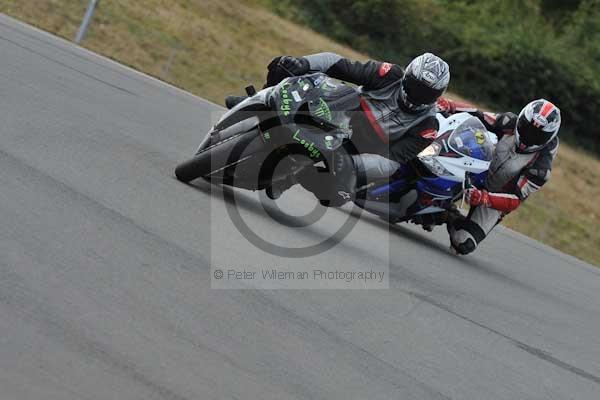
[{"x": 425, "y": 189}]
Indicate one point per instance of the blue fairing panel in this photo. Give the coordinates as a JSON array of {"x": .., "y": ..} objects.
[
  {"x": 479, "y": 179},
  {"x": 395, "y": 186},
  {"x": 437, "y": 186}
]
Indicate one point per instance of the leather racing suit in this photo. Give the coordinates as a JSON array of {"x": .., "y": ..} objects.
[
  {"x": 385, "y": 133},
  {"x": 511, "y": 179}
]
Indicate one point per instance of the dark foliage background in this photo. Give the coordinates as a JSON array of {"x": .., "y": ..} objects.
[{"x": 502, "y": 53}]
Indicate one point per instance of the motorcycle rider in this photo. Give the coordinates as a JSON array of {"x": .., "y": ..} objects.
[
  {"x": 521, "y": 165},
  {"x": 395, "y": 120}
]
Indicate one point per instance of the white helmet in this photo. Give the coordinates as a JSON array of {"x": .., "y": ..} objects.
[{"x": 537, "y": 125}]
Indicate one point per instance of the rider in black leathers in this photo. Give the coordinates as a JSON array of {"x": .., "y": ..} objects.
[{"x": 395, "y": 121}]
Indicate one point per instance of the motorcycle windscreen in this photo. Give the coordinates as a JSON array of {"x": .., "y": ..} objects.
[{"x": 472, "y": 140}]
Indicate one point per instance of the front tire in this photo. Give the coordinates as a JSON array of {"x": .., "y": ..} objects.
[
  {"x": 222, "y": 156},
  {"x": 194, "y": 168}
]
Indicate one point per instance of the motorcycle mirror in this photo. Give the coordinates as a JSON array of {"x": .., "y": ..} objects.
[{"x": 250, "y": 90}]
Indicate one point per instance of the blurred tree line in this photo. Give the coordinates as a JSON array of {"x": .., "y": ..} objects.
[{"x": 502, "y": 53}]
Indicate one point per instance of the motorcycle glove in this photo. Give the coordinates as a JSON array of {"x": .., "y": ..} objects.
[{"x": 499, "y": 201}]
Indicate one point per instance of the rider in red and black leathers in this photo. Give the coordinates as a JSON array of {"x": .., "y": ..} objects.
[
  {"x": 389, "y": 124},
  {"x": 396, "y": 118},
  {"x": 521, "y": 165}
]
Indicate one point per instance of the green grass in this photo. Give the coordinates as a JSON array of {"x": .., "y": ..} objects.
[
  {"x": 217, "y": 47},
  {"x": 565, "y": 214}
]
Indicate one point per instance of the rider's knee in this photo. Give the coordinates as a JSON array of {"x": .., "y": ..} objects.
[
  {"x": 466, "y": 247},
  {"x": 465, "y": 235}
]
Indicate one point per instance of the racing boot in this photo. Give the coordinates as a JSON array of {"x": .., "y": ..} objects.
[{"x": 334, "y": 187}]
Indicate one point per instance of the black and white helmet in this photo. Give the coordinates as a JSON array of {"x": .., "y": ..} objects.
[
  {"x": 425, "y": 79},
  {"x": 537, "y": 125}
]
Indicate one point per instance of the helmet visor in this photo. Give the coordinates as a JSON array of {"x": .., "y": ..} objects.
[
  {"x": 419, "y": 93},
  {"x": 529, "y": 135}
]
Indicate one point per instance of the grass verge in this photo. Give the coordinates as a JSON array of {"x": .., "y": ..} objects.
[{"x": 215, "y": 47}]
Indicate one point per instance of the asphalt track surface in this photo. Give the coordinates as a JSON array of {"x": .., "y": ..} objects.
[{"x": 105, "y": 260}]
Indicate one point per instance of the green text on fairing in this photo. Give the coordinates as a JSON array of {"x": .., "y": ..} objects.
[
  {"x": 285, "y": 100},
  {"x": 310, "y": 146}
]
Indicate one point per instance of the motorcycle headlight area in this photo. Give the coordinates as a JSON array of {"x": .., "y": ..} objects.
[
  {"x": 435, "y": 166},
  {"x": 431, "y": 151},
  {"x": 427, "y": 157}
]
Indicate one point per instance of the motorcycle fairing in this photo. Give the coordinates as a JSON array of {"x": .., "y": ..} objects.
[{"x": 463, "y": 146}]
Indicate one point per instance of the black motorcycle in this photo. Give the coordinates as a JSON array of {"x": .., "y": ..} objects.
[{"x": 265, "y": 141}]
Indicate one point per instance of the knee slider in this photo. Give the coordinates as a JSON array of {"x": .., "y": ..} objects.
[{"x": 466, "y": 247}]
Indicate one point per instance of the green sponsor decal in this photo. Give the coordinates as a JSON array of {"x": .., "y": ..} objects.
[
  {"x": 285, "y": 100},
  {"x": 267, "y": 135},
  {"x": 310, "y": 146},
  {"x": 323, "y": 111}
]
